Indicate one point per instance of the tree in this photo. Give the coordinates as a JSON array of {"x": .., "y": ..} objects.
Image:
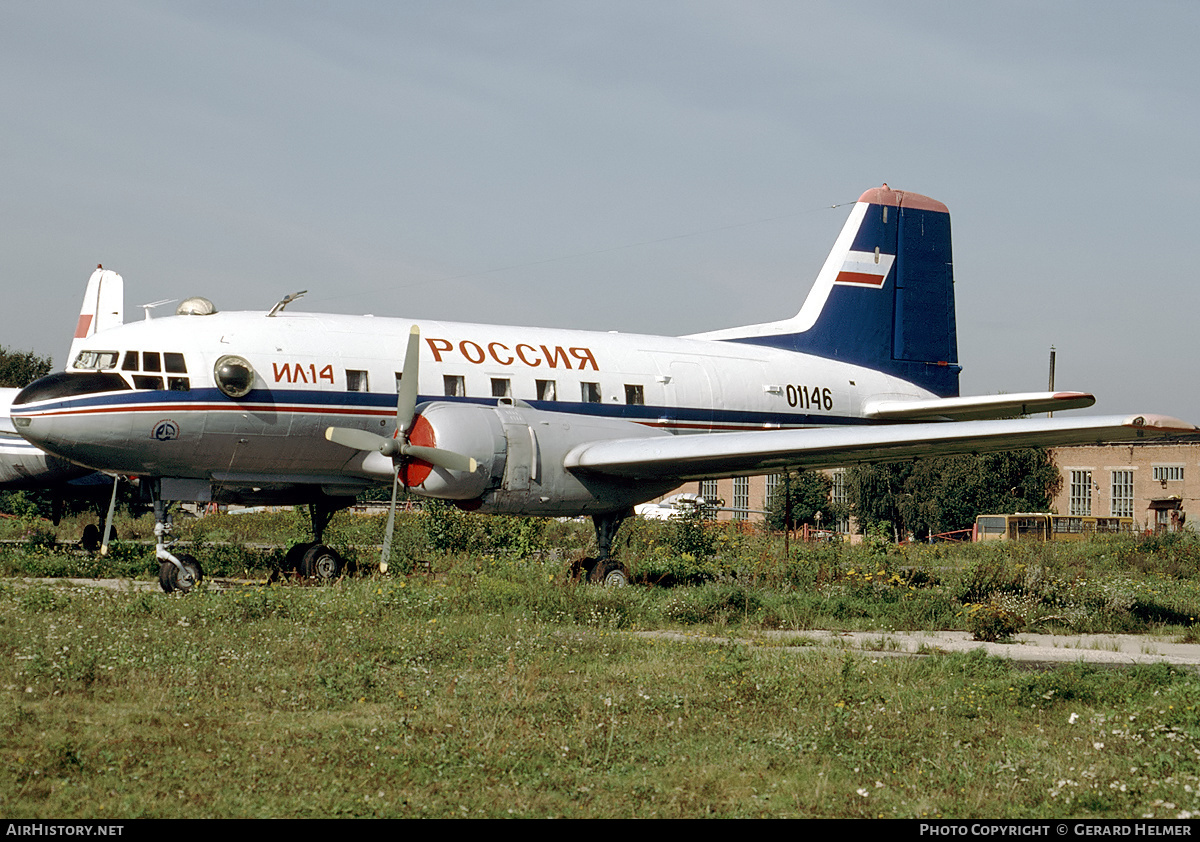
[
  {"x": 946, "y": 493},
  {"x": 875, "y": 493},
  {"x": 20, "y": 368},
  {"x": 808, "y": 492}
]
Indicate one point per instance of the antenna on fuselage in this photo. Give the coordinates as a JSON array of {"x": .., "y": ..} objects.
[
  {"x": 285, "y": 301},
  {"x": 148, "y": 307}
]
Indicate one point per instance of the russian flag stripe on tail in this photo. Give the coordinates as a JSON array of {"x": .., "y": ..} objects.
[{"x": 866, "y": 269}]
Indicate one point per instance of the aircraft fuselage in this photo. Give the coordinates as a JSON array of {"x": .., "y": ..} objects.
[{"x": 167, "y": 417}]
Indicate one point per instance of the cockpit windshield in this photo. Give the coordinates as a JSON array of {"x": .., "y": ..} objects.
[{"x": 96, "y": 360}]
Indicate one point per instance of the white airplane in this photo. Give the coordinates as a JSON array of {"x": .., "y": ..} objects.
[
  {"x": 313, "y": 408},
  {"x": 23, "y": 465}
]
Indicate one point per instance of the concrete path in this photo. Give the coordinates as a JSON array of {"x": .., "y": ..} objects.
[{"x": 1033, "y": 649}]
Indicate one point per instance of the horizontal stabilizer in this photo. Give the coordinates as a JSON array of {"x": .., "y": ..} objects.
[
  {"x": 976, "y": 408},
  {"x": 732, "y": 454}
]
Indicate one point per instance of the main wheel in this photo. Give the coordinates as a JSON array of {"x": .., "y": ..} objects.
[
  {"x": 610, "y": 573},
  {"x": 91, "y": 538},
  {"x": 293, "y": 557},
  {"x": 320, "y": 562},
  {"x": 580, "y": 569},
  {"x": 171, "y": 579}
]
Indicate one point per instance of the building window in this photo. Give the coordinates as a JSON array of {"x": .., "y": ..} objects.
[
  {"x": 1122, "y": 494},
  {"x": 634, "y": 395},
  {"x": 837, "y": 492},
  {"x": 501, "y": 387},
  {"x": 1081, "y": 494},
  {"x": 356, "y": 381},
  {"x": 741, "y": 498},
  {"x": 456, "y": 387},
  {"x": 1168, "y": 473},
  {"x": 546, "y": 390},
  {"x": 840, "y": 497},
  {"x": 590, "y": 392},
  {"x": 708, "y": 491},
  {"x": 771, "y": 484}
]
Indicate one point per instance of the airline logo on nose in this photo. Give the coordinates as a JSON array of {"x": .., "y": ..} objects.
[
  {"x": 166, "y": 430},
  {"x": 865, "y": 269}
]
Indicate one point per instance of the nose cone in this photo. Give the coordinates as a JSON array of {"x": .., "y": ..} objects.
[
  {"x": 54, "y": 413},
  {"x": 62, "y": 384}
]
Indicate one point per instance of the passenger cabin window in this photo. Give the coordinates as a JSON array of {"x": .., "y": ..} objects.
[
  {"x": 96, "y": 360},
  {"x": 546, "y": 390},
  {"x": 151, "y": 361},
  {"x": 455, "y": 386},
  {"x": 501, "y": 387},
  {"x": 173, "y": 363},
  {"x": 356, "y": 381},
  {"x": 591, "y": 392},
  {"x": 635, "y": 395}
]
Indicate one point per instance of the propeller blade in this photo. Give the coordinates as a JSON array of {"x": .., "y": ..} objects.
[
  {"x": 406, "y": 396},
  {"x": 447, "y": 459},
  {"x": 360, "y": 440},
  {"x": 391, "y": 523},
  {"x": 112, "y": 507}
]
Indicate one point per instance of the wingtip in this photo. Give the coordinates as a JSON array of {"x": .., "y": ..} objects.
[{"x": 1164, "y": 424}]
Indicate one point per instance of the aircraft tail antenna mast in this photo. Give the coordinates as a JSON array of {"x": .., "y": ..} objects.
[
  {"x": 285, "y": 301},
  {"x": 146, "y": 308}
]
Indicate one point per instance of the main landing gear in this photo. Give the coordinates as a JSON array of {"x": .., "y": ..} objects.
[
  {"x": 604, "y": 569},
  {"x": 312, "y": 559}
]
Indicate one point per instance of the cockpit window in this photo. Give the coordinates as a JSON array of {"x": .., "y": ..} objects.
[
  {"x": 151, "y": 361},
  {"x": 96, "y": 360},
  {"x": 146, "y": 381},
  {"x": 131, "y": 361},
  {"x": 173, "y": 363}
]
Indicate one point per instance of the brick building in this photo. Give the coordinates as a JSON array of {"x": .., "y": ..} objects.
[{"x": 1156, "y": 482}]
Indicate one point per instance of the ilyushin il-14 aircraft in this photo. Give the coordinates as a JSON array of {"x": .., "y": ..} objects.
[{"x": 308, "y": 408}]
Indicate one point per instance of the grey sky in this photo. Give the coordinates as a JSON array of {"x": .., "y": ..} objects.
[{"x": 660, "y": 167}]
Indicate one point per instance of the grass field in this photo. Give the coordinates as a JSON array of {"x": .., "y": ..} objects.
[{"x": 491, "y": 687}]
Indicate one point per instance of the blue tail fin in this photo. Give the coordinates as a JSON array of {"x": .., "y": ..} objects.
[{"x": 884, "y": 298}]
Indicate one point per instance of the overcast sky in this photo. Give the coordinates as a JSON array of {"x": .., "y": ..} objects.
[{"x": 657, "y": 167}]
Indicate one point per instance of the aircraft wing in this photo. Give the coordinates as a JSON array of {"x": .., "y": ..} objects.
[
  {"x": 976, "y": 408},
  {"x": 715, "y": 455}
]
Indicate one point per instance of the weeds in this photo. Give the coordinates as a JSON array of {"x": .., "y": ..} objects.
[{"x": 485, "y": 686}]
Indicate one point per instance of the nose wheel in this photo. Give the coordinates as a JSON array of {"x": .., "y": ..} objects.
[{"x": 182, "y": 578}]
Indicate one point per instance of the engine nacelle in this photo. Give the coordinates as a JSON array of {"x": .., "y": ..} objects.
[{"x": 520, "y": 453}]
